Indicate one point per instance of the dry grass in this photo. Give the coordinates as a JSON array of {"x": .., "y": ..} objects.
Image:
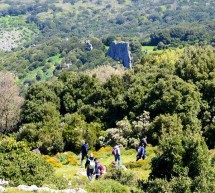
[
  {"x": 103, "y": 73},
  {"x": 4, "y": 6}
]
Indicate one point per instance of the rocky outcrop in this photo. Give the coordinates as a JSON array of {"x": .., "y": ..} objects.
[
  {"x": 3, "y": 182},
  {"x": 120, "y": 51},
  {"x": 89, "y": 46},
  {"x": 2, "y": 189},
  {"x": 34, "y": 188}
]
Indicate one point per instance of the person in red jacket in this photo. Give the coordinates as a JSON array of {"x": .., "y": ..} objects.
[{"x": 99, "y": 169}]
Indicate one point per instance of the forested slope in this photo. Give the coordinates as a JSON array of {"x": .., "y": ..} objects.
[
  {"x": 65, "y": 18},
  {"x": 70, "y": 94}
]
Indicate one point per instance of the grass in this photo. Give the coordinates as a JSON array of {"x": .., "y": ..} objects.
[
  {"x": 148, "y": 48},
  {"x": 105, "y": 156},
  {"x": 76, "y": 173},
  {"x": 44, "y": 75}
]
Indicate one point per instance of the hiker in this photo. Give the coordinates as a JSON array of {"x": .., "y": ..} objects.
[
  {"x": 141, "y": 152},
  {"x": 90, "y": 166},
  {"x": 84, "y": 151},
  {"x": 99, "y": 169},
  {"x": 144, "y": 142},
  {"x": 116, "y": 153}
]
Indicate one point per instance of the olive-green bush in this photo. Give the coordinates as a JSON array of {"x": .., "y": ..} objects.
[
  {"x": 107, "y": 186},
  {"x": 19, "y": 165},
  {"x": 123, "y": 177}
]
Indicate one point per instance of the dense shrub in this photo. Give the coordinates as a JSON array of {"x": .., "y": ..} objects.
[
  {"x": 138, "y": 164},
  {"x": 19, "y": 165},
  {"x": 105, "y": 186},
  {"x": 123, "y": 177}
]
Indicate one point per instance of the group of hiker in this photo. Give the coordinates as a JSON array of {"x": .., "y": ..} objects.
[{"x": 94, "y": 167}]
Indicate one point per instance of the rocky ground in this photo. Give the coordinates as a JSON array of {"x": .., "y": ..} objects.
[{"x": 9, "y": 39}]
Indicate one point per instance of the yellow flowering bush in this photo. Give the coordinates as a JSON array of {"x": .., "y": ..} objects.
[{"x": 53, "y": 161}]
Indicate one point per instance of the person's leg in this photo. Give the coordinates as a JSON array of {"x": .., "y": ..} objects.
[
  {"x": 118, "y": 157},
  {"x": 115, "y": 157},
  {"x": 82, "y": 158},
  {"x": 88, "y": 173},
  {"x": 91, "y": 174}
]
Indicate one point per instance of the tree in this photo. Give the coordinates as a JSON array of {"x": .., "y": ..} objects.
[
  {"x": 184, "y": 160},
  {"x": 10, "y": 102},
  {"x": 19, "y": 165}
]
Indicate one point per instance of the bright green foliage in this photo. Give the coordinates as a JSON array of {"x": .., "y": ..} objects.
[
  {"x": 77, "y": 107},
  {"x": 163, "y": 122},
  {"x": 105, "y": 186},
  {"x": 123, "y": 177},
  {"x": 45, "y": 130},
  {"x": 185, "y": 157},
  {"x": 19, "y": 165},
  {"x": 197, "y": 65},
  {"x": 41, "y": 100},
  {"x": 173, "y": 95},
  {"x": 76, "y": 130}
]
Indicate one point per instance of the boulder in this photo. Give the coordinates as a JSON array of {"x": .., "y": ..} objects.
[
  {"x": 31, "y": 188},
  {"x": 3, "y": 182},
  {"x": 2, "y": 189},
  {"x": 89, "y": 46}
]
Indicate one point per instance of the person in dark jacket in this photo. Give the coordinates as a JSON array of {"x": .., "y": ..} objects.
[
  {"x": 140, "y": 152},
  {"x": 84, "y": 151},
  {"x": 90, "y": 166}
]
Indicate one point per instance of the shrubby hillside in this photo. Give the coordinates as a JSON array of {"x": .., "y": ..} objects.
[
  {"x": 185, "y": 20},
  {"x": 54, "y": 93},
  {"x": 48, "y": 36},
  {"x": 168, "y": 97}
]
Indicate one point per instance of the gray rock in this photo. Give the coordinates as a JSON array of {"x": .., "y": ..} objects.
[
  {"x": 2, "y": 189},
  {"x": 89, "y": 46},
  {"x": 119, "y": 51},
  {"x": 31, "y": 188},
  {"x": 34, "y": 188},
  {"x": 3, "y": 182}
]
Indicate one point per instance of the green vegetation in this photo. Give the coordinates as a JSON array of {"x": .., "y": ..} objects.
[
  {"x": 17, "y": 159},
  {"x": 71, "y": 94},
  {"x": 148, "y": 48},
  {"x": 122, "y": 18},
  {"x": 16, "y": 32}
]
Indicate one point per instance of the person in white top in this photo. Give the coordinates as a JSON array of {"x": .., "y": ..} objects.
[{"x": 117, "y": 154}]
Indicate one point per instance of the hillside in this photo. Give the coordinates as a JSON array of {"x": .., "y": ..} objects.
[
  {"x": 64, "y": 83},
  {"x": 48, "y": 36},
  {"x": 124, "y": 18}
]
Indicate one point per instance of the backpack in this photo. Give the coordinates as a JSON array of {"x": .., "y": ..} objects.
[
  {"x": 91, "y": 164},
  {"x": 102, "y": 169},
  {"x": 114, "y": 151}
]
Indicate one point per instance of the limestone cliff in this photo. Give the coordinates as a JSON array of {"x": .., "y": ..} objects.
[{"x": 120, "y": 51}]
